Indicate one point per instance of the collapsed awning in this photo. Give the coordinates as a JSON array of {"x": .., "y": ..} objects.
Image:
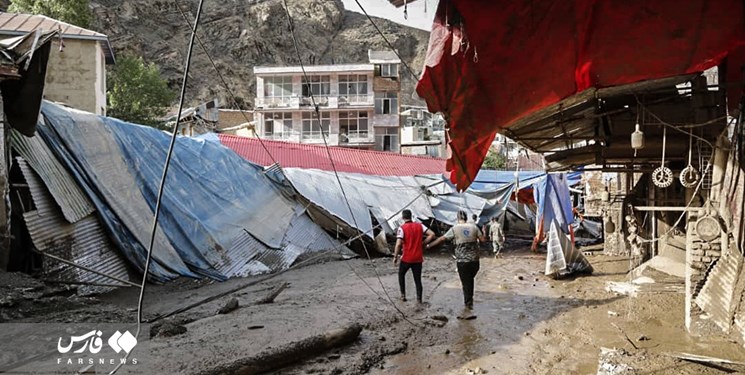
[
  {"x": 220, "y": 216},
  {"x": 491, "y": 63}
]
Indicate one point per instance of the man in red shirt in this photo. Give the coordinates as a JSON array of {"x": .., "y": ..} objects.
[{"x": 410, "y": 237}]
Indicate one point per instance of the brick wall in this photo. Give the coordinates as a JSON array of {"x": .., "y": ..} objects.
[
  {"x": 386, "y": 84},
  {"x": 702, "y": 254}
]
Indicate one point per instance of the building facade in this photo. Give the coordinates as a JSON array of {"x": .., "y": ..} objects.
[
  {"x": 422, "y": 132},
  {"x": 358, "y": 104},
  {"x": 76, "y": 74}
]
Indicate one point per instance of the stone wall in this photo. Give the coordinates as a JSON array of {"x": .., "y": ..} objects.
[{"x": 72, "y": 76}]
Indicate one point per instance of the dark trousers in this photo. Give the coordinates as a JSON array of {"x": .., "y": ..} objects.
[
  {"x": 467, "y": 272},
  {"x": 416, "y": 270}
]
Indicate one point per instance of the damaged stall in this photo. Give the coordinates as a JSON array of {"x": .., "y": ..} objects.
[
  {"x": 23, "y": 68},
  {"x": 86, "y": 188},
  {"x": 647, "y": 93}
]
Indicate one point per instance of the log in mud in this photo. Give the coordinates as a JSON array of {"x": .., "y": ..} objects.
[{"x": 276, "y": 358}]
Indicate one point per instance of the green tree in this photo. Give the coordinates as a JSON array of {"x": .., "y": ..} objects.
[
  {"x": 137, "y": 93},
  {"x": 494, "y": 160},
  {"x": 76, "y": 12}
]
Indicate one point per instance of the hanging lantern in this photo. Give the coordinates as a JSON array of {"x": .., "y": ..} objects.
[
  {"x": 610, "y": 226},
  {"x": 637, "y": 138}
]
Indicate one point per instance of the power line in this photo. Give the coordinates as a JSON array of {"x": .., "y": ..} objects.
[
  {"x": 390, "y": 45},
  {"x": 316, "y": 112},
  {"x": 227, "y": 88},
  {"x": 235, "y": 102},
  {"x": 163, "y": 181}
]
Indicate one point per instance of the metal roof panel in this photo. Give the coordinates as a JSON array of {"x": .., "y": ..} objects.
[{"x": 297, "y": 155}]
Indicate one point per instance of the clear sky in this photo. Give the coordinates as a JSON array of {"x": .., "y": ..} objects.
[{"x": 382, "y": 8}]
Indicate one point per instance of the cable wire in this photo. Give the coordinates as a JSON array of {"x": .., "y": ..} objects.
[
  {"x": 316, "y": 112},
  {"x": 235, "y": 102},
  {"x": 227, "y": 88},
  {"x": 703, "y": 173},
  {"x": 337, "y": 249},
  {"x": 163, "y": 181},
  {"x": 390, "y": 45}
]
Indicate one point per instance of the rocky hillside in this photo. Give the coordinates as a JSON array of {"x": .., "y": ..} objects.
[{"x": 240, "y": 34}]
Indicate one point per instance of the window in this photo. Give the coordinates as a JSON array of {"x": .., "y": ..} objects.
[
  {"x": 386, "y": 70},
  {"x": 317, "y": 85},
  {"x": 311, "y": 129},
  {"x": 386, "y": 103},
  {"x": 278, "y": 87},
  {"x": 352, "y": 86},
  {"x": 353, "y": 124},
  {"x": 277, "y": 125}
]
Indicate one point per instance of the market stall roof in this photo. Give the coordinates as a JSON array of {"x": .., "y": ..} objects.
[{"x": 492, "y": 64}]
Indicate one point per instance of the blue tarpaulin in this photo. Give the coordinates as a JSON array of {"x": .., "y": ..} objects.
[
  {"x": 219, "y": 213},
  {"x": 554, "y": 201},
  {"x": 488, "y": 181}
]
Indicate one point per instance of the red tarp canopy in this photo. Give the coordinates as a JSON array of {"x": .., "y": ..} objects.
[{"x": 492, "y": 62}]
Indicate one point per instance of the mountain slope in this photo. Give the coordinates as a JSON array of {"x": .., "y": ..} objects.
[{"x": 242, "y": 34}]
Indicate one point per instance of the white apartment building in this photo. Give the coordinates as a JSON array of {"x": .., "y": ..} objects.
[
  {"x": 358, "y": 103},
  {"x": 422, "y": 132}
]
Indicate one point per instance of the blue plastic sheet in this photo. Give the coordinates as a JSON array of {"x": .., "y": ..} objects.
[
  {"x": 489, "y": 181},
  {"x": 213, "y": 198},
  {"x": 554, "y": 201}
]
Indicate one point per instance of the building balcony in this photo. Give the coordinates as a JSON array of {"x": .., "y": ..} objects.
[
  {"x": 314, "y": 137},
  {"x": 292, "y": 136},
  {"x": 356, "y": 138},
  {"x": 287, "y": 102},
  {"x": 357, "y": 100},
  {"x": 386, "y": 120},
  {"x": 331, "y": 102},
  {"x": 322, "y": 101}
]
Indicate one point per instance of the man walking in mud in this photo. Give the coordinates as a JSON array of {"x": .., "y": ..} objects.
[
  {"x": 497, "y": 236},
  {"x": 466, "y": 237},
  {"x": 410, "y": 238}
]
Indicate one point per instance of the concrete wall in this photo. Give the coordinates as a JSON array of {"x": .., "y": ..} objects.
[{"x": 76, "y": 76}]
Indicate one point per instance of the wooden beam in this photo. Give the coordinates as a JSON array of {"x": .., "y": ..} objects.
[{"x": 666, "y": 208}]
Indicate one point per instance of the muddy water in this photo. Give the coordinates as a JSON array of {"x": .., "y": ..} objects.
[
  {"x": 528, "y": 324},
  {"x": 510, "y": 300}
]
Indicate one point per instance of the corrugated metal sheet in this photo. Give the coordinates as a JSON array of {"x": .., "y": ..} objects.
[
  {"x": 387, "y": 194},
  {"x": 277, "y": 260},
  {"x": 239, "y": 260},
  {"x": 297, "y": 155},
  {"x": 306, "y": 234},
  {"x": 86, "y": 145},
  {"x": 83, "y": 242},
  {"x": 66, "y": 192},
  {"x": 248, "y": 256},
  {"x": 27, "y": 23},
  {"x": 717, "y": 297}
]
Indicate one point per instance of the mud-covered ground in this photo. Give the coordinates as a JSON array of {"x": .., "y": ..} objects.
[{"x": 525, "y": 322}]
